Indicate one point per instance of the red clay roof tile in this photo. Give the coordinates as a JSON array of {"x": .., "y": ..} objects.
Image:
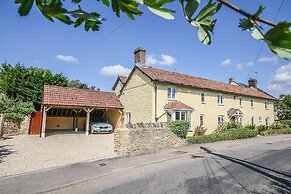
[
  {"x": 65, "y": 96},
  {"x": 197, "y": 82},
  {"x": 177, "y": 105}
]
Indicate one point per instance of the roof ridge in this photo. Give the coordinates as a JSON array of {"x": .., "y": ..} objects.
[{"x": 74, "y": 88}]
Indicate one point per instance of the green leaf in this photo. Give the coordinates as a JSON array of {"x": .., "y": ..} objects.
[
  {"x": 203, "y": 22},
  {"x": 25, "y": 6},
  {"x": 191, "y": 7},
  {"x": 163, "y": 14},
  {"x": 279, "y": 39},
  {"x": 246, "y": 24},
  {"x": 257, "y": 34}
]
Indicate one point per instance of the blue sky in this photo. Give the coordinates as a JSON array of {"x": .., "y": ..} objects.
[{"x": 172, "y": 45}]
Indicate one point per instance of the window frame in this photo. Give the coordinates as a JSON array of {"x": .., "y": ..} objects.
[
  {"x": 180, "y": 115},
  {"x": 252, "y": 103},
  {"x": 202, "y": 96},
  {"x": 128, "y": 117},
  {"x": 267, "y": 121},
  {"x": 172, "y": 91},
  {"x": 220, "y": 120},
  {"x": 220, "y": 99},
  {"x": 201, "y": 118},
  {"x": 266, "y": 104},
  {"x": 240, "y": 101},
  {"x": 253, "y": 120}
]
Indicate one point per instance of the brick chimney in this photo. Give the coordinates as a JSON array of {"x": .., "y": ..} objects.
[
  {"x": 140, "y": 56},
  {"x": 253, "y": 83}
]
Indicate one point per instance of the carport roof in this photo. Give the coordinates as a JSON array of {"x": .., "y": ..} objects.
[{"x": 65, "y": 96}]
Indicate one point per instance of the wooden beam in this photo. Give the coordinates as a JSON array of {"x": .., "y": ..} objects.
[{"x": 44, "y": 112}]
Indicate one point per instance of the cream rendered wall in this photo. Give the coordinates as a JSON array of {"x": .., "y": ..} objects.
[
  {"x": 211, "y": 109},
  {"x": 64, "y": 122},
  {"x": 118, "y": 87},
  {"x": 137, "y": 97}
]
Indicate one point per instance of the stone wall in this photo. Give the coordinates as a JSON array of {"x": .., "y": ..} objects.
[
  {"x": 11, "y": 127},
  {"x": 145, "y": 138}
]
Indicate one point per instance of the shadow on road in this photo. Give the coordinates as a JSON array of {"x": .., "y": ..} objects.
[
  {"x": 4, "y": 151},
  {"x": 279, "y": 180}
]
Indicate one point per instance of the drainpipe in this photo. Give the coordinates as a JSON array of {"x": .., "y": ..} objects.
[{"x": 155, "y": 84}]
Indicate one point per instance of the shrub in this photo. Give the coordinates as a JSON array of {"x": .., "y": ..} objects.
[
  {"x": 224, "y": 127},
  {"x": 276, "y": 131},
  {"x": 253, "y": 127},
  {"x": 286, "y": 122},
  {"x": 199, "y": 131},
  {"x": 231, "y": 134},
  {"x": 262, "y": 128},
  {"x": 180, "y": 128},
  {"x": 278, "y": 125}
]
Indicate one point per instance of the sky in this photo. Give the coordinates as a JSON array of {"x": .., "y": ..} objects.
[{"x": 96, "y": 58}]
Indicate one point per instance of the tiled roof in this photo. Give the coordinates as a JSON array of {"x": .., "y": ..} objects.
[
  {"x": 122, "y": 79},
  {"x": 197, "y": 82},
  {"x": 65, "y": 96},
  {"x": 177, "y": 105}
]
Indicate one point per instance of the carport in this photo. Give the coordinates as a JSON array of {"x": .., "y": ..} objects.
[{"x": 72, "y": 109}]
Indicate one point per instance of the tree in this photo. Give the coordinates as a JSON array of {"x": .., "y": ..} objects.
[
  {"x": 283, "y": 107},
  {"x": 78, "y": 84},
  {"x": 26, "y": 84},
  {"x": 278, "y": 38}
]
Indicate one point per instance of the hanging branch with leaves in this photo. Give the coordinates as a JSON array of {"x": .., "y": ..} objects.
[{"x": 278, "y": 38}]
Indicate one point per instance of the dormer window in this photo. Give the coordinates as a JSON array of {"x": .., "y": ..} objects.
[{"x": 171, "y": 93}]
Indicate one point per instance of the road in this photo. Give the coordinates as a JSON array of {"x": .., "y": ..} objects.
[{"x": 258, "y": 165}]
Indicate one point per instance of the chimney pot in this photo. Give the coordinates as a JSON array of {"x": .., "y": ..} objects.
[
  {"x": 140, "y": 56},
  {"x": 230, "y": 80},
  {"x": 253, "y": 83}
]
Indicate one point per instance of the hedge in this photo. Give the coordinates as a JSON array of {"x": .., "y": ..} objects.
[
  {"x": 276, "y": 131},
  {"x": 231, "y": 134}
]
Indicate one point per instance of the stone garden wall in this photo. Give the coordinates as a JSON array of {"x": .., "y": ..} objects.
[
  {"x": 145, "y": 138},
  {"x": 11, "y": 127}
]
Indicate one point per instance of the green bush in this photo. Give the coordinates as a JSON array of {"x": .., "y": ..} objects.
[
  {"x": 231, "y": 134},
  {"x": 13, "y": 109},
  {"x": 226, "y": 126},
  {"x": 278, "y": 125},
  {"x": 262, "y": 128},
  {"x": 253, "y": 127},
  {"x": 276, "y": 131},
  {"x": 286, "y": 122},
  {"x": 180, "y": 128}
]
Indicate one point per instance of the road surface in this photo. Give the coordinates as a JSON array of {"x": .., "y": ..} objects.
[{"x": 258, "y": 165}]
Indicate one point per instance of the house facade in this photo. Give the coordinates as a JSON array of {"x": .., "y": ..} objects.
[{"x": 155, "y": 95}]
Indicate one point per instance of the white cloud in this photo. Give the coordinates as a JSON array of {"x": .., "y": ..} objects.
[
  {"x": 115, "y": 70},
  {"x": 273, "y": 60},
  {"x": 161, "y": 60},
  {"x": 239, "y": 66},
  {"x": 281, "y": 81},
  {"x": 67, "y": 58},
  {"x": 226, "y": 62}
]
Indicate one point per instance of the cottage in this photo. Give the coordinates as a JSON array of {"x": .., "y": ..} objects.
[{"x": 155, "y": 95}]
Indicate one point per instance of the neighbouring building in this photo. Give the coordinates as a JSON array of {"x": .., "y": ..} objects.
[{"x": 154, "y": 95}]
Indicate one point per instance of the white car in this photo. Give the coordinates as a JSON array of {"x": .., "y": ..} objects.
[{"x": 101, "y": 127}]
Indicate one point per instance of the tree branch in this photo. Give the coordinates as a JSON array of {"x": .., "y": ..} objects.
[{"x": 248, "y": 15}]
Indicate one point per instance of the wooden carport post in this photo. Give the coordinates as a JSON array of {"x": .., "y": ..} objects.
[
  {"x": 43, "y": 125},
  {"x": 88, "y": 110}
]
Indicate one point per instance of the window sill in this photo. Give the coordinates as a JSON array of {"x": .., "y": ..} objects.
[
  {"x": 203, "y": 102},
  {"x": 171, "y": 99},
  {"x": 220, "y": 104}
]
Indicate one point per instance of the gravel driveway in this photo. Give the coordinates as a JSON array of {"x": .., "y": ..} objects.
[{"x": 24, "y": 153}]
